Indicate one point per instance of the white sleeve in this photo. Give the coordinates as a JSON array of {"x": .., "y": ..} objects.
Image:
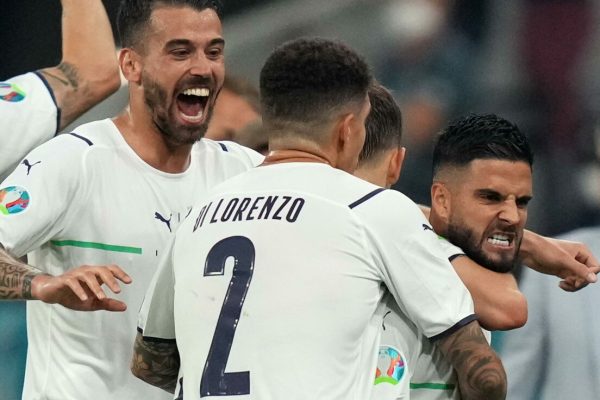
[
  {"x": 29, "y": 118},
  {"x": 523, "y": 351},
  {"x": 42, "y": 195},
  {"x": 451, "y": 251},
  {"x": 156, "y": 317},
  {"x": 248, "y": 156},
  {"x": 414, "y": 266}
]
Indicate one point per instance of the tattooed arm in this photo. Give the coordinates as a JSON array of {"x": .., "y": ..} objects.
[
  {"x": 78, "y": 289},
  {"x": 156, "y": 363},
  {"x": 15, "y": 277},
  {"x": 479, "y": 370},
  {"x": 88, "y": 72}
]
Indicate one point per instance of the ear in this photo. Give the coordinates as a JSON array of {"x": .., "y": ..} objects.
[
  {"x": 441, "y": 201},
  {"x": 395, "y": 166},
  {"x": 130, "y": 65},
  {"x": 347, "y": 143},
  {"x": 344, "y": 130}
]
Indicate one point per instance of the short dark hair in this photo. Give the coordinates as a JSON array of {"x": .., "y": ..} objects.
[
  {"x": 383, "y": 125},
  {"x": 304, "y": 82},
  {"x": 486, "y": 136},
  {"x": 133, "y": 15}
]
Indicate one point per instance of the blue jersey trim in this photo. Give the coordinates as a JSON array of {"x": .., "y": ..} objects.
[
  {"x": 155, "y": 339},
  {"x": 45, "y": 82},
  {"x": 455, "y": 256},
  {"x": 366, "y": 197},
  {"x": 223, "y": 147},
  {"x": 88, "y": 141},
  {"x": 455, "y": 327}
]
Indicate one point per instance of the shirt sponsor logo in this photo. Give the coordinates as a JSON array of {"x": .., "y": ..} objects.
[
  {"x": 13, "y": 200},
  {"x": 166, "y": 221},
  {"x": 390, "y": 366},
  {"x": 29, "y": 165},
  {"x": 11, "y": 92}
]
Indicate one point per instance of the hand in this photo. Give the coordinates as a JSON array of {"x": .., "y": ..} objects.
[
  {"x": 80, "y": 288},
  {"x": 571, "y": 261}
]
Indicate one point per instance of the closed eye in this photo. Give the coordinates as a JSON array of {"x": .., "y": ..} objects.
[
  {"x": 489, "y": 195},
  {"x": 179, "y": 53},
  {"x": 522, "y": 202}
]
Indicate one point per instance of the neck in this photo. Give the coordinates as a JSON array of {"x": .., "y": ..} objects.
[
  {"x": 283, "y": 156},
  {"x": 149, "y": 144},
  {"x": 437, "y": 223}
]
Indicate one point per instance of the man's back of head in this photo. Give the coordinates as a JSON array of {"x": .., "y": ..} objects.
[
  {"x": 382, "y": 156},
  {"x": 307, "y": 83}
]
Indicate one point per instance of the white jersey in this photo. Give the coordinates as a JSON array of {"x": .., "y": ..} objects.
[
  {"x": 275, "y": 280},
  {"x": 29, "y": 118},
  {"x": 431, "y": 377},
  {"x": 405, "y": 354},
  {"x": 87, "y": 198}
]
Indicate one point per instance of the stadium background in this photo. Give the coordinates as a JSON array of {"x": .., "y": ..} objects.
[{"x": 531, "y": 61}]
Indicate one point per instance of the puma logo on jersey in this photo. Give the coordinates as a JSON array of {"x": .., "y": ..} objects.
[
  {"x": 29, "y": 165},
  {"x": 427, "y": 228},
  {"x": 163, "y": 219}
]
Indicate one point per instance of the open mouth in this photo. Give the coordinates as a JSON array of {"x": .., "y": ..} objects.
[
  {"x": 192, "y": 104},
  {"x": 501, "y": 240}
]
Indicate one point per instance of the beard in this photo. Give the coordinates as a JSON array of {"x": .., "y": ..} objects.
[
  {"x": 465, "y": 238},
  {"x": 174, "y": 134}
]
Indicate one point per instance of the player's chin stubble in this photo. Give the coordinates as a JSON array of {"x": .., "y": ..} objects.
[
  {"x": 466, "y": 240},
  {"x": 155, "y": 97}
]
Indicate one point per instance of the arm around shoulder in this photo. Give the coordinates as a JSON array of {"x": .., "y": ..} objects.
[
  {"x": 571, "y": 261},
  {"x": 499, "y": 304},
  {"x": 478, "y": 368},
  {"x": 156, "y": 362}
]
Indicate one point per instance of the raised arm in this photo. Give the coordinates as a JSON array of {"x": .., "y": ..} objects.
[
  {"x": 156, "y": 362},
  {"x": 88, "y": 71},
  {"x": 478, "y": 368},
  {"x": 78, "y": 289}
]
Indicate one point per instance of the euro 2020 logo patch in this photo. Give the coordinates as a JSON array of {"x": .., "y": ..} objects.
[
  {"x": 11, "y": 92},
  {"x": 13, "y": 200},
  {"x": 390, "y": 366}
]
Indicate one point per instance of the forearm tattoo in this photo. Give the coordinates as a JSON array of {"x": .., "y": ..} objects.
[
  {"x": 479, "y": 370},
  {"x": 15, "y": 277},
  {"x": 156, "y": 363},
  {"x": 69, "y": 75}
]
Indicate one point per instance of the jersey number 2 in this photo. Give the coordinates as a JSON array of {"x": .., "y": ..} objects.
[{"x": 215, "y": 381}]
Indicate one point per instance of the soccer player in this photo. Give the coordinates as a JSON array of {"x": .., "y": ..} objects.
[
  {"x": 113, "y": 192},
  {"x": 37, "y": 105},
  {"x": 498, "y": 303},
  {"x": 273, "y": 284}
]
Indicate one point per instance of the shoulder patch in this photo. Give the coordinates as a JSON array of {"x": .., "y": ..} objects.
[
  {"x": 13, "y": 200},
  {"x": 11, "y": 92},
  {"x": 391, "y": 365}
]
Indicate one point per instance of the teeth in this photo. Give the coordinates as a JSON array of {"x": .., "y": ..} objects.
[
  {"x": 499, "y": 240},
  {"x": 201, "y": 92}
]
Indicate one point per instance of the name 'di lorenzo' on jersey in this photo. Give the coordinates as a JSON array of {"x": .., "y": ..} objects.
[{"x": 283, "y": 208}]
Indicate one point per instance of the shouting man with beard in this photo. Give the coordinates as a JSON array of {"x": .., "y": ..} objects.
[
  {"x": 114, "y": 192},
  {"x": 482, "y": 183},
  {"x": 468, "y": 207}
]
